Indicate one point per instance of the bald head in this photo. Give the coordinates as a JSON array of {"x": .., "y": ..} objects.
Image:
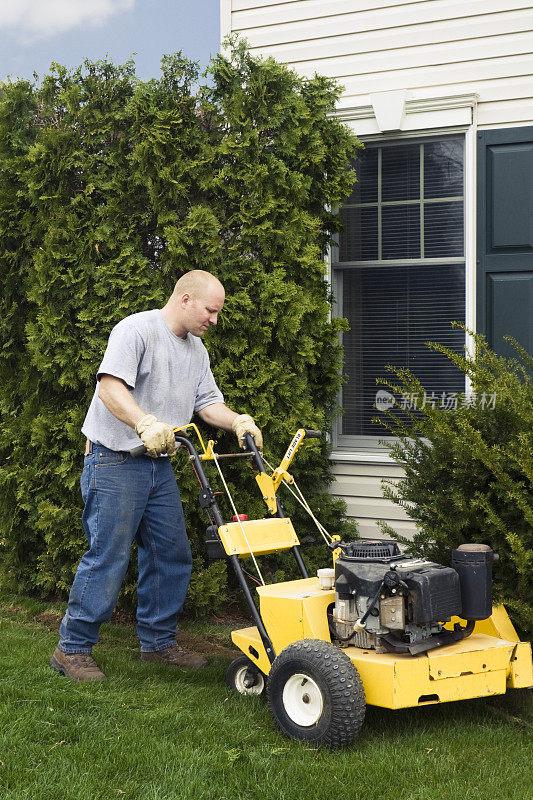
[
  {"x": 197, "y": 283},
  {"x": 195, "y": 303}
]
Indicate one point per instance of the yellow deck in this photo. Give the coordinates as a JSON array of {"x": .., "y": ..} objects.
[{"x": 488, "y": 662}]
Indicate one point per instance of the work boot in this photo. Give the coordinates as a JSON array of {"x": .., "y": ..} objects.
[
  {"x": 176, "y": 656},
  {"x": 78, "y": 666}
]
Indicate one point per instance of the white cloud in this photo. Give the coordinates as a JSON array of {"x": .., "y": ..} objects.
[{"x": 37, "y": 19}]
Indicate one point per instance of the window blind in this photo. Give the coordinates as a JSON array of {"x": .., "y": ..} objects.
[{"x": 393, "y": 312}]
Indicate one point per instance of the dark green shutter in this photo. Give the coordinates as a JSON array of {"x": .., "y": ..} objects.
[{"x": 505, "y": 237}]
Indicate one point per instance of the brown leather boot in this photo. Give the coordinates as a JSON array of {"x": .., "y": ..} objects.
[
  {"x": 78, "y": 666},
  {"x": 176, "y": 656}
]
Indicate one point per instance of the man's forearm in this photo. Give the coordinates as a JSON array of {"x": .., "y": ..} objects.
[
  {"x": 218, "y": 415},
  {"x": 119, "y": 401}
]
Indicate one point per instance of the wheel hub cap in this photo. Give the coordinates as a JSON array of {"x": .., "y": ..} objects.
[
  {"x": 242, "y": 682},
  {"x": 302, "y": 700}
]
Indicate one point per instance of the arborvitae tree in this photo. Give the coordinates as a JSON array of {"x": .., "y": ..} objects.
[
  {"x": 469, "y": 470},
  {"x": 110, "y": 189}
]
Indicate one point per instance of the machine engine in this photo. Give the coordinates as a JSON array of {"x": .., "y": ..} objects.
[{"x": 390, "y": 602}]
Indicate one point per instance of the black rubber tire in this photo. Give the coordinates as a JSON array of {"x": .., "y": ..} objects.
[
  {"x": 235, "y": 674},
  {"x": 336, "y": 684}
]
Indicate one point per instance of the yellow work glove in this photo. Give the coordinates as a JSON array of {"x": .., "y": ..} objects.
[
  {"x": 157, "y": 437},
  {"x": 244, "y": 423}
]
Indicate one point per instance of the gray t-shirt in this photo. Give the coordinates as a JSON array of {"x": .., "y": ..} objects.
[{"x": 168, "y": 376}]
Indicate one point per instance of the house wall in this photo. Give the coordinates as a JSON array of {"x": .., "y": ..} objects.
[
  {"x": 359, "y": 484},
  {"x": 431, "y": 48},
  {"x": 408, "y": 67}
]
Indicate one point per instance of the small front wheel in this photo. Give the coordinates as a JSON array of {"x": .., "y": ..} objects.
[
  {"x": 244, "y": 677},
  {"x": 315, "y": 694}
]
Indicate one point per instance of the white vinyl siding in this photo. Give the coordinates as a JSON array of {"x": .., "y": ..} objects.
[
  {"x": 430, "y": 48},
  {"x": 360, "y": 486}
]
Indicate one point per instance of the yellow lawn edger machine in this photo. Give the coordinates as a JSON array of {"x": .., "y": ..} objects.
[{"x": 379, "y": 627}]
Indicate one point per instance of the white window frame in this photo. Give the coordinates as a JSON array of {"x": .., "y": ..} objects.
[{"x": 455, "y": 108}]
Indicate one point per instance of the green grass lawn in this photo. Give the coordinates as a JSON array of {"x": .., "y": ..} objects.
[{"x": 157, "y": 733}]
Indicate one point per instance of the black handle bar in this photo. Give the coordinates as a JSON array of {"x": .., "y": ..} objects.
[
  {"x": 252, "y": 447},
  {"x": 140, "y": 450}
]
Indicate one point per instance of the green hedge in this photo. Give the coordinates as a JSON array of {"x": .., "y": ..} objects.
[
  {"x": 469, "y": 471},
  {"x": 110, "y": 189}
]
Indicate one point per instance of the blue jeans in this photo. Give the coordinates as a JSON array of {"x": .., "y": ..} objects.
[{"x": 125, "y": 499}]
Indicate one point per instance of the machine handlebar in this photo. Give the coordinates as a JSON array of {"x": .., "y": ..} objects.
[{"x": 140, "y": 450}]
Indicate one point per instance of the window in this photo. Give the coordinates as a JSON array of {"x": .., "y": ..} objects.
[{"x": 399, "y": 273}]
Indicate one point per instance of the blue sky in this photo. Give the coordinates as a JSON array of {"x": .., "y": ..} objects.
[{"x": 33, "y": 33}]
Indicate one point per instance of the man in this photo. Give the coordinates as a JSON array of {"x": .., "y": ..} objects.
[{"x": 155, "y": 368}]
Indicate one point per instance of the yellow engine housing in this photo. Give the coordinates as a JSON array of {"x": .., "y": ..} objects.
[{"x": 488, "y": 662}]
